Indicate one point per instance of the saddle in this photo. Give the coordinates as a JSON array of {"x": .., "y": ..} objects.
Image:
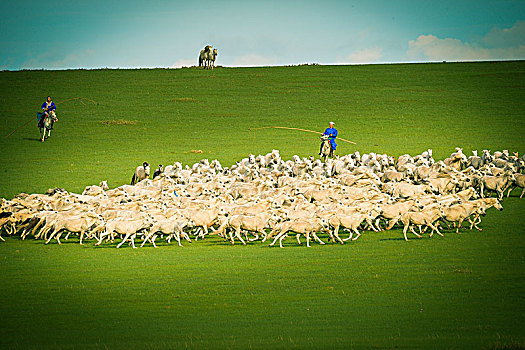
[{"x": 41, "y": 117}]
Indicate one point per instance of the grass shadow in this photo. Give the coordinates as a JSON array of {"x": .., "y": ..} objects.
[
  {"x": 31, "y": 139},
  {"x": 392, "y": 239}
]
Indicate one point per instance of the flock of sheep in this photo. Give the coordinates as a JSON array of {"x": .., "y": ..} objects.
[{"x": 266, "y": 198}]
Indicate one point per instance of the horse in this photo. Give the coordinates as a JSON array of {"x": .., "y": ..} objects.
[
  {"x": 141, "y": 173},
  {"x": 211, "y": 58},
  {"x": 203, "y": 55},
  {"x": 207, "y": 58},
  {"x": 326, "y": 148},
  {"x": 46, "y": 124}
]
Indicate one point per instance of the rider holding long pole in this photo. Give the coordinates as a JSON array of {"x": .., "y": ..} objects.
[
  {"x": 48, "y": 108},
  {"x": 332, "y": 134}
]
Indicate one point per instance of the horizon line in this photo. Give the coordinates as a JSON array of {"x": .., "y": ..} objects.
[{"x": 262, "y": 66}]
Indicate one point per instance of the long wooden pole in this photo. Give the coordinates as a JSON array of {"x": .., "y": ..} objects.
[
  {"x": 71, "y": 99},
  {"x": 79, "y": 98},
  {"x": 12, "y": 132},
  {"x": 315, "y": 132}
]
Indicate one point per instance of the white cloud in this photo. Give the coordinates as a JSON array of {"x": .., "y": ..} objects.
[
  {"x": 77, "y": 59},
  {"x": 498, "y": 44},
  {"x": 430, "y": 47},
  {"x": 184, "y": 63},
  {"x": 254, "y": 60},
  {"x": 372, "y": 55},
  {"x": 506, "y": 37}
]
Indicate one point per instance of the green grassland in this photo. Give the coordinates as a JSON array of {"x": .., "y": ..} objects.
[
  {"x": 395, "y": 109},
  {"x": 460, "y": 291}
]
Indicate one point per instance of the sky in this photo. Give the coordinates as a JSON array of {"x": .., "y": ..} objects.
[{"x": 147, "y": 34}]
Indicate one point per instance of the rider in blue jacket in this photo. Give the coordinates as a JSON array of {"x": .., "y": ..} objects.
[
  {"x": 332, "y": 134},
  {"x": 48, "y": 107}
]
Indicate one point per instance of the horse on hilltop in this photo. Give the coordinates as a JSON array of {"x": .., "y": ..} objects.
[{"x": 207, "y": 57}]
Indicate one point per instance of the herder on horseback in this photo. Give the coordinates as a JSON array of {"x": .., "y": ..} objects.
[
  {"x": 48, "y": 110},
  {"x": 47, "y": 118},
  {"x": 331, "y": 134}
]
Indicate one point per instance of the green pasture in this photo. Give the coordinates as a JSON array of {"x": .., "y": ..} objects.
[
  {"x": 392, "y": 109},
  {"x": 458, "y": 291}
]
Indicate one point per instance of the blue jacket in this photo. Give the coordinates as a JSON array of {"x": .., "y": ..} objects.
[
  {"x": 51, "y": 107},
  {"x": 333, "y": 132}
]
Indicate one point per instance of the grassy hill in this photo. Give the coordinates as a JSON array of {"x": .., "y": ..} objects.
[
  {"x": 460, "y": 291},
  {"x": 392, "y": 109}
]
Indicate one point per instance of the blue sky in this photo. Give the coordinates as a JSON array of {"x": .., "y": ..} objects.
[{"x": 126, "y": 34}]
